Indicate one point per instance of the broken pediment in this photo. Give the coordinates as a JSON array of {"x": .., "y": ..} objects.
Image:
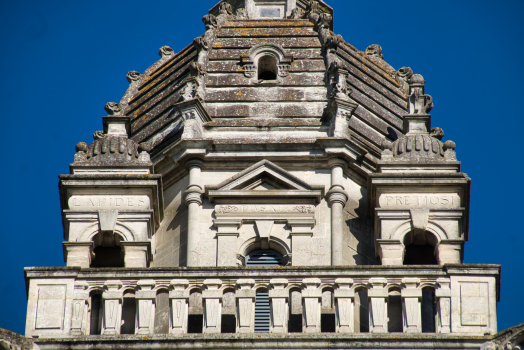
[{"x": 265, "y": 180}]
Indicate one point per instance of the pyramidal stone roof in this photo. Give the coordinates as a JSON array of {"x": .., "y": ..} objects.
[{"x": 310, "y": 68}]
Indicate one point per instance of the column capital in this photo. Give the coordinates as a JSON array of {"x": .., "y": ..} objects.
[
  {"x": 337, "y": 194},
  {"x": 194, "y": 162},
  {"x": 193, "y": 194}
]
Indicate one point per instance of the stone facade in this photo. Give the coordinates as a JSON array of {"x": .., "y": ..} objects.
[{"x": 268, "y": 133}]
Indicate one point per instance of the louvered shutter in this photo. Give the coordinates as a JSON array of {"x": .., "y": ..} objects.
[{"x": 260, "y": 258}]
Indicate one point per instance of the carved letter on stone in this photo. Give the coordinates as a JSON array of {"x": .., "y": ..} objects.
[
  {"x": 344, "y": 310},
  {"x": 377, "y": 314},
  {"x": 412, "y": 308},
  {"x": 111, "y": 313},
  {"x": 245, "y": 306},
  {"x": 179, "y": 314},
  {"x": 78, "y": 314},
  {"x": 212, "y": 306},
  {"x": 279, "y": 309},
  {"x": 50, "y": 307}
]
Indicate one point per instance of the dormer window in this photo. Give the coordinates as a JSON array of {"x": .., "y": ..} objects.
[
  {"x": 271, "y": 9},
  {"x": 266, "y": 63},
  {"x": 267, "y": 68}
]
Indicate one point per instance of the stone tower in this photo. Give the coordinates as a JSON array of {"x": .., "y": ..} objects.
[{"x": 268, "y": 186}]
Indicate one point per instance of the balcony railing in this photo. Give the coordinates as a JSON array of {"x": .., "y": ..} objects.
[{"x": 70, "y": 302}]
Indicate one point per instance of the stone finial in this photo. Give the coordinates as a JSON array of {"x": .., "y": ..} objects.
[
  {"x": 297, "y": 13},
  {"x": 97, "y": 135},
  {"x": 165, "y": 51},
  {"x": 210, "y": 21},
  {"x": 241, "y": 14},
  {"x": 437, "y": 133},
  {"x": 132, "y": 76},
  {"x": 201, "y": 44},
  {"x": 405, "y": 73},
  {"x": 313, "y": 11},
  {"x": 81, "y": 147},
  {"x": 112, "y": 108},
  {"x": 374, "y": 51},
  {"x": 325, "y": 21},
  {"x": 225, "y": 8}
]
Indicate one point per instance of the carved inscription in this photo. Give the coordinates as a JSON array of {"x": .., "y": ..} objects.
[
  {"x": 50, "y": 307},
  {"x": 78, "y": 314},
  {"x": 179, "y": 308},
  {"x": 212, "y": 312},
  {"x": 412, "y": 308},
  {"x": 264, "y": 209},
  {"x": 474, "y": 304},
  {"x": 422, "y": 200},
  {"x": 344, "y": 311},
  {"x": 109, "y": 202},
  {"x": 111, "y": 313},
  {"x": 377, "y": 312}
]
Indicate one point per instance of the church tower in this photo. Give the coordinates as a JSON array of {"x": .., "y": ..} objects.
[{"x": 269, "y": 186}]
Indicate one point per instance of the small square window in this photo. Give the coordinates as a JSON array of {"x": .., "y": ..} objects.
[{"x": 270, "y": 12}]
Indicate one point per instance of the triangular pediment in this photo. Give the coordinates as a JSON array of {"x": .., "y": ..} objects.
[{"x": 264, "y": 179}]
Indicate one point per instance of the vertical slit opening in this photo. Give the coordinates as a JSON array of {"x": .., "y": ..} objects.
[
  {"x": 128, "y": 313},
  {"x": 395, "y": 311},
  {"x": 429, "y": 310},
  {"x": 95, "y": 319}
]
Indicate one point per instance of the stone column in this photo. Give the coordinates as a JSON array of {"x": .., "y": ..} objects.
[
  {"x": 443, "y": 296},
  {"x": 337, "y": 198},
  {"x": 278, "y": 301},
  {"x": 112, "y": 308},
  {"x": 212, "y": 297},
  {"x": 79, "y": 309},
  {"x": 377, "y": 305},
  {"x": 245, "y": 300},
  {"x": 311, "y": 297},
  {"x": 179, "y": 297},
  {"x": 193, "y": 199},
  {"x": 136, "y": 254},
  {"x": 145, "y": 307},
  {"x": 449, "y": 251},
  {"x": 78, "y": 253},
  {"x": 344, "y": 305},
  {"x": 411, "y": 297},
  {"x": 227, "y": 240}
]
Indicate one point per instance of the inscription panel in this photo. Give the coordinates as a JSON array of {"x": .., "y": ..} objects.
[
  {"x": 265, "y": 210},
  {"x": 50, "y": 307},
  {"x": 99, "y": 202},
  {"x": 419, "y": 200}
]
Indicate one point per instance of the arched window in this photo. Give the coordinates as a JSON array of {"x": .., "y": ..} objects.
[
  {"x": 162, "y": 312},
  {"x": 107, "y": 250},
  {"x": 95, "y": 316},
  {"x": 420, "y": 249},
  {"x": 267, "y": 68},
  {"x": 264, "y": 257},
  {"x": 395, "y": 311},
  {"x": 128, "y": 313},
  {"x": 361, "y": 311},
  {"x": 429, "y": 310}
]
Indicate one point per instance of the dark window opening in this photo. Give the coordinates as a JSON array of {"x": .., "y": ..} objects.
[
  {"x": 361, "y": 311},
  {"x": 107, "y": 257},
  {"x": 327, "y": 323},
  {"x": 96, "y": 315},
  {"x": 162, "y": 312},
  {"x": 429, "y": 310},
  {"x": 420, "y": 255},
  {"x": 267, "y": 68},
  {"x": 395, "y": 312},
  {"x": 295, "y": 324},
  {"x": 229, "y": 319},
  {"x": 128, "y": 313},
  {"x": 195, "y": 323},
  {"x": 295, "y": 312}
]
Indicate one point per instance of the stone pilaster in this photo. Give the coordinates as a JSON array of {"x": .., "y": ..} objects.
[
  {"x": 112, "y": 308},
  {"x": 212, "y": 297},
  {"x": 193, "y": 200},
  {"x": 377, "y": 305},
  {"x": 136, "y": 254},
  {"x": 145, "y": 307},
  {"x": 391, "y": 251},
  {"x": 278, "y": 300},
  {"x": 227, "y": 234},
  {"x": 178, "y": 300},
  {"x": 344, "y": 305},
  {"x": 450, "y": 251},
  {"x": 78, "y": 253},
  {"x": 411, "y": 299},
  {"x": 311, "y": 297},
  {"x": 245, "y": 301},
  {"x": 337, "y": 199},
  {"x": 79, "y": 309},
  {"x": 301, "y": 236},
  {"x": 443, "y": 296}
]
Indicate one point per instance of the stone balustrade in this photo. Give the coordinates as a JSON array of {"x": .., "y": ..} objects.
[{"x": 459, "y": 299}]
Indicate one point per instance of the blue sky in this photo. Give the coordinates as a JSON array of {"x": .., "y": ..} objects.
[{"x": 62, "y": 60}]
